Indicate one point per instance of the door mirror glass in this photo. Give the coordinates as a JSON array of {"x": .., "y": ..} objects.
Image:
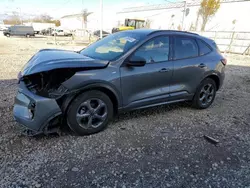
[{"x": 136, "y": 61}]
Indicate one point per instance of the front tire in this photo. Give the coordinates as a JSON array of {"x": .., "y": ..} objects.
[
  {"x": 205, "y": 94},
  {"x": 28, "y": 35},
  {"x": 90, "y": 112}
]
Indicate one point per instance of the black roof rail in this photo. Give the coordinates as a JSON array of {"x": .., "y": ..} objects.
[{"x": 156, "y": 31}]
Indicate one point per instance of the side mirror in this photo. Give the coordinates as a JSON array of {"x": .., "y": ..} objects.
[{"x": 136, "y": 62}]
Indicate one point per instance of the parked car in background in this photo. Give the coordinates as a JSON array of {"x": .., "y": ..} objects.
[
  {"x": 104, "y": 33},
  {"x": 95, "y": 35},
  {"x": 19, "y": 30},
  {"x": 61, "y": 32},
  {"x": 3, "y": 28},
  {"x": 46, "y": 31},
  {"x": 39, "y": 26},
  {"x": 124, "y": 71}
]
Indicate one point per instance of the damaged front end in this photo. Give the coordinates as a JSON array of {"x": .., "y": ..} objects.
[
  {"x": 39, "y": 101},
  {"x": 48, "y": 84}
]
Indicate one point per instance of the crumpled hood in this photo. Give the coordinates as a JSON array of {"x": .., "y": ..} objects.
[{"x": 49, "y": 59}]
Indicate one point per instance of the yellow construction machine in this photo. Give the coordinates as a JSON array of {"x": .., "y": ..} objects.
[{"x": 130, "y": 24}]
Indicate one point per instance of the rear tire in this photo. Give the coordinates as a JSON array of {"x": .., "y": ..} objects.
[
  {"x": 205, "y": 94},
  {"x": 28, "y": 35},
  {"x": 90, "y": 112}
]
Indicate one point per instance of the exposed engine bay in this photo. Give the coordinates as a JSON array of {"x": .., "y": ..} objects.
[{"x": 48, "y": 83}]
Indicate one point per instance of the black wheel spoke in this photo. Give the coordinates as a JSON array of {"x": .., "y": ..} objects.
[
  {"x": 203, "y": 97},
  {"x": 101, "y": 117},
  {"x": 88, "y": 104},
  {"x": 92, "y": 113},
  {"x": 82, "y": 116},
  {"x": 90, "y": 120},
  {"x": 85, "y": 115},
  {"x": 208, "y": 87},
  {"x": 206, "y": 94},
  {"x": 211, "y": 92},
  {"x": 100, "y": 105}
]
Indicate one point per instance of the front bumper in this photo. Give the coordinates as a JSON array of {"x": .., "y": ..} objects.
[{"x": 32, "y": 111}]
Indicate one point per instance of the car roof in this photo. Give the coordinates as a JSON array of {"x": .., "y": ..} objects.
[{"x": 154, "y": 31}]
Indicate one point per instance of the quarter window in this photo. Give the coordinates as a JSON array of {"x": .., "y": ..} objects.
[
  {"x": 185, "y": 48},
  {"x": 155, "y": 50},
  {"x": 204, "y": 49}
]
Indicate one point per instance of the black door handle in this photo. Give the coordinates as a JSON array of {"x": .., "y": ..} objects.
[
  {"x": 164, "y": 70},
  {"x": 202, "y": 65}
]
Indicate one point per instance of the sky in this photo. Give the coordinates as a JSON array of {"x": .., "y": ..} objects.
[{"x": 59, "y": 8}]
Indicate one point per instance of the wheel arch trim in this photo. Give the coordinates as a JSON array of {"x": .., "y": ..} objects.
[
  {"x": 92, "y": 86},
  {"x": 215, "y": 76}
]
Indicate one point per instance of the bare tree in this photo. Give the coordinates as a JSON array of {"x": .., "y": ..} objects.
[
  {"x": 192, "y": 27},
  {"x": 179, "y": 27},
  {"x": 85, "y": 15},
  {"x": 197, "y": 20},
  {"x": 148, "y": 23},
  {"x": 207, "y": 10},
  {"x": 14, "y": 19},
  {"x": 46, "y": 19},
  {"x": 43, "y": 18}
]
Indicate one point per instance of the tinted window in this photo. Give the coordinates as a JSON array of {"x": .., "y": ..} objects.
[
  {"x": 204, "y": 49},
  {"x": 155, "y": 50},
  {"x": 185, "y": 48}
]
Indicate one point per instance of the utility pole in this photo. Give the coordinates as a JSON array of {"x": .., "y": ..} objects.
[
  {"x": 82, "y": 33},
  {"x": 20, "y": 15},
  {"x": 184, "y": 15},
  {"x": 101, "y": 16}
]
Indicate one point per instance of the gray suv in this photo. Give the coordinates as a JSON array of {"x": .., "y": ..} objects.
[{"x": 124, "y": 71}]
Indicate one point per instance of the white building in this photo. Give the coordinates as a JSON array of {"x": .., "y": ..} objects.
[
  {"x": 72, "y": 22},
  {"x": 76, "y": 22},
  {"x": 38, "y": 26},
  {"x": 169, "y": 15}
]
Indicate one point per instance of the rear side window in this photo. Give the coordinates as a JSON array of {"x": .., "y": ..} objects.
[
  {"x": 204, "y": 49},
  {"x": 185, "y": 47}
]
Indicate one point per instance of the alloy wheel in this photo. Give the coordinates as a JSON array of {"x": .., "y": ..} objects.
[
  {"x": 206, "y": 94},
  {"x": 91, "y": 113}
]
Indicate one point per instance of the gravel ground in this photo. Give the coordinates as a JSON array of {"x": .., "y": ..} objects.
[{"x": 157, "y": 147}]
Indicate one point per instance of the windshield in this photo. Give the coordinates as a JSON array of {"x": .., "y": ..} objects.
[{"x": 112, "y": 46}]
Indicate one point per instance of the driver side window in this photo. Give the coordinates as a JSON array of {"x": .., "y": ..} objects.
[{"x": 155, "y": 50}]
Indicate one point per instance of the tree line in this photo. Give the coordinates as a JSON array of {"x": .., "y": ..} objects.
[{"x": 15, "y": 19}]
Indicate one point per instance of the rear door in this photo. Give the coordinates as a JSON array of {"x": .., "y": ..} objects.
[
  {"x": 189, "y": 66},
  {"x": 147, "y": 85}
]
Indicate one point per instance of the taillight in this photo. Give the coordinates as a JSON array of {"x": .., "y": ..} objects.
[{"x": 223, "y": 61}]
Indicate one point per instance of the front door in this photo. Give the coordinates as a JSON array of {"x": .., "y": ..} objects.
[{"x": 147, "y": 85}]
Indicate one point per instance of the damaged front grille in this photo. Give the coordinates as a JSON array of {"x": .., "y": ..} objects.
[{"x": 48, "y": 84}]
